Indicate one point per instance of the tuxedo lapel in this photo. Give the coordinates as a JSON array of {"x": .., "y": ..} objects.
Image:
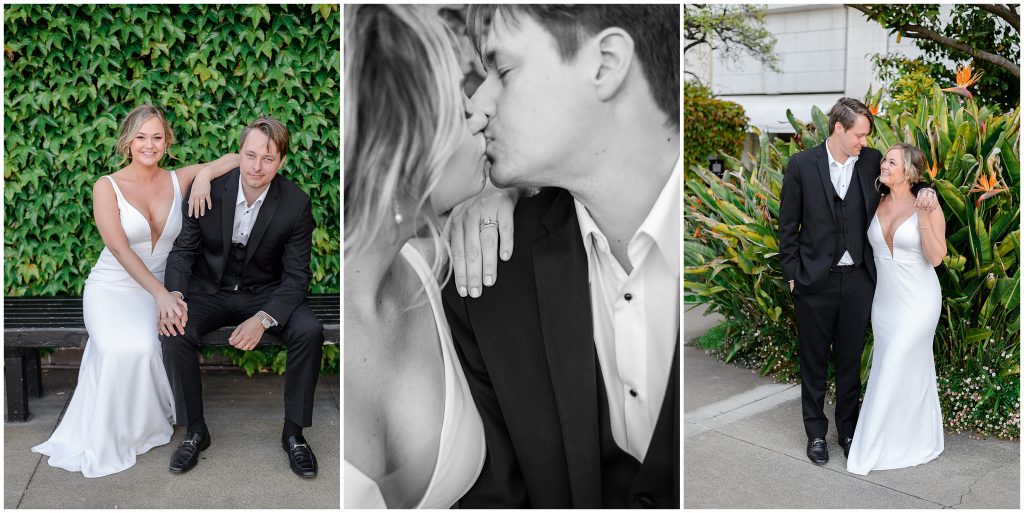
[
  {"x": 867, "y": 188},
  {"x": 227, "y": 216},
  {"x": 563, "y": 295},
  {"x": 826, "y": 180},
  {"x": 267, "y": 210}
]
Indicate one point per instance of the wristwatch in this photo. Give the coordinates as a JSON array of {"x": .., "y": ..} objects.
[{"x": 265, "y": 319}]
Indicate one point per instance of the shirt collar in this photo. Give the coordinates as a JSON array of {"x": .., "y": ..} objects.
[
  {"x": 241, "y": 196},
  {"x": 661, "y": 225},
  {"x": 850, "y": 161}
]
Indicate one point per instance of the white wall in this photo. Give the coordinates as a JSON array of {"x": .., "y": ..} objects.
[{"x": 824, "y": 53}]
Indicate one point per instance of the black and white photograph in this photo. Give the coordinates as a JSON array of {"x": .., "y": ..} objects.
[{"x": 512, "y": 248}]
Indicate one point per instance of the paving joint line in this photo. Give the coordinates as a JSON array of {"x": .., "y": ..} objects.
[
  {"x": 843, "y": 474},
  {"x": 769, "y": 396}
]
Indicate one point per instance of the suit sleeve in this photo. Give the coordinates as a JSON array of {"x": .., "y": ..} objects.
[
  {"x": 500, "y": 484},
  {"x": 294, "y": 284},
  {"x": 183, "y": 254},
  {"x": 790, "y": 208}
]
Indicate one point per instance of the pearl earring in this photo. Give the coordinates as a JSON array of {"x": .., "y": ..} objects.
[{"x": 398, "y": 216}]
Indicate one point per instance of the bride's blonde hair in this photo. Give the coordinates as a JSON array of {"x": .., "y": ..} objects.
[
  {"x": 914, "y": 165},
  {"x": 403, "y": 120}
]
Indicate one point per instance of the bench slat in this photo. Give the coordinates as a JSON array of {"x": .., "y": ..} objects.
[{"x": 36, "y": 322}]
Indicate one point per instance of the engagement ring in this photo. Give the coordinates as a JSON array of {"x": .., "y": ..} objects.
[{"x": 486, "y": 222}]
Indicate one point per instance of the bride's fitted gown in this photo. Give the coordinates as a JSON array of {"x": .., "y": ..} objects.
[
  {"x": 123, "y": 403},
  {"x": 461, "y": 452},
  {"x": 900, "y": 422}
]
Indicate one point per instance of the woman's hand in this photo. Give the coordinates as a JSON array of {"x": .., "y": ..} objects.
[
  {"x": 171, "y": 314},
  {"x": 199, "y": 200},
  {"x": 481, "y": 228},
  {"x": 926, "y": 200}
]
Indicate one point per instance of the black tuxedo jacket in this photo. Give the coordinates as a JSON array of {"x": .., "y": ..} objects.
[
  {"x": 807, "y": 222},
  {"x": 277, "y": 254},
  {"x": 527, "y": 347}
]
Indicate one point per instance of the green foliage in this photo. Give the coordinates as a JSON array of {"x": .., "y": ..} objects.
[
  {"x": 731, "y": 250},
  {"x": 908, "y": 80},
  {"x": 710, "y": 126},
  {"x": 730, "y": 29},
  {"x": 74, "y": 71},
  {"x": 974, "y": 25}
]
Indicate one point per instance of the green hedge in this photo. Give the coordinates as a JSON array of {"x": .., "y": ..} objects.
[
  {"x": 73, "y": 73},
  {"x": 711, "y": 126}
]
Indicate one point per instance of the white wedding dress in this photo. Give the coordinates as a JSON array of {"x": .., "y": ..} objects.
[
  {"x": 461, "y": 451},
  {"x": 123, "y": 403},
  {"x": 900, "y": 423}
]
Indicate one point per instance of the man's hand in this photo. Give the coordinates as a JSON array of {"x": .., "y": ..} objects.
[
  {"x": 792, "y": 284},
  {"x": 247, "y": 335},
  {"x": 171, "y": 314},
  {"x": 926, "y": 200},
  {"x": 481, "y": 228}
]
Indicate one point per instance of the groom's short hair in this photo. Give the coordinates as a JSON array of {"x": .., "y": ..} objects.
[
  {"x": 654, "y": 29},
  {"x": 272, "y": 128},
  {"x": 845, "y": 112}
]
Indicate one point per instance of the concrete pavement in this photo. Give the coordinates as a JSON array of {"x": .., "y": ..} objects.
[
  {"x": 244, "y": 467},
  {"x": 744, "y": 448}
]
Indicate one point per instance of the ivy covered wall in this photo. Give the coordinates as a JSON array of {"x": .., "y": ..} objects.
[{"x": 72, "y": 74}]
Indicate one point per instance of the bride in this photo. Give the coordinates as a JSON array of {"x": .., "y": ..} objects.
[
  {"x": 900, "y": 422},
  {"x": 414, "y": 148},
  {"x": 122, "y": 405}
]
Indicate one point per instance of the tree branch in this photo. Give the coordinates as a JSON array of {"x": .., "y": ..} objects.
[
  {"x": 702, "y": 40},
  {"x": 920, "y": 32},
  {"x": 931, "y": 35},
  {"x": 1003, "y": 12}
]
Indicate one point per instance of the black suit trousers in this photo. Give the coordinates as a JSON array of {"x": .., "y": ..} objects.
[
  {"x": 302, "y": 334},
  {"x": 834, "y": 316}
]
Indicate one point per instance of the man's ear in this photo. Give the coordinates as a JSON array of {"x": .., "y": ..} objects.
[{"x": 616, "y": 47}]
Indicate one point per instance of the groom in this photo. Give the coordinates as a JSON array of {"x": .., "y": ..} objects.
[
  {"x": 828, "y": 201},
  {"x": 246, "y": 263},
  {"x": 572, "y": 357}
]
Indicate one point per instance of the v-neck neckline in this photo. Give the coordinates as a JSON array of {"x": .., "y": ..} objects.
[
  {"x": 892, "y": 248},
  {"x": 152, "y": 242}
]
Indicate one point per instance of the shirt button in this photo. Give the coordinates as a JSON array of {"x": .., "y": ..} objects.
[
  {"x": 632, "y": 392},
  {"x": 628, "y": 296}
]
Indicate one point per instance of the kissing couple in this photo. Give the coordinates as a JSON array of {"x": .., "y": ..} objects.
[{"x": 558, "y": 385}]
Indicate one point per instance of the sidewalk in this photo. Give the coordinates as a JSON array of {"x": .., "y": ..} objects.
[
  {"x": 744, "y": 447},
  {"x": 244, "y": 467}
]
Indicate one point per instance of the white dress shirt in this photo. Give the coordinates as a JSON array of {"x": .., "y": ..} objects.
[
  {"x": 245, "y": 219},
  {"x": 636, "y": 316},
  {"x": 245, "y": 215},
  {"x": 841, "y": 174}
]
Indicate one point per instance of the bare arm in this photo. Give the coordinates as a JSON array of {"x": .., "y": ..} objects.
[
  {"x": 202, "y": 174},
  {"x": 932, "y": 225},
  {"x": 108, "y": 220}
]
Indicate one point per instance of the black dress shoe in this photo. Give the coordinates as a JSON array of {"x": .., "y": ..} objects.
[
  {"x": 846, "y": 443},
  {"x": 817, "y": 451},
  {"x": 300, "y": 456},
  {"x": 187, "y": 454}
]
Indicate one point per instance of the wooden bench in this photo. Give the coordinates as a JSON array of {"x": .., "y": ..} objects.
[{"x": 33, "y": 323}]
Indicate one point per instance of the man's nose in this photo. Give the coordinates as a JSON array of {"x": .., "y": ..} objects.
[{"x": 486, "y": 96}]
